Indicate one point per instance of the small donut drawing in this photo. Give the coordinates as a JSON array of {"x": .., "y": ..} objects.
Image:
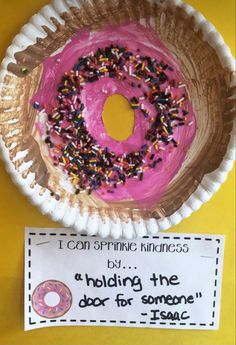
[{"x": 40, "y": 292}]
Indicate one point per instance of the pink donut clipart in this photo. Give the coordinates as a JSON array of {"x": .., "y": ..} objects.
[{"x": 40, "y": 299}]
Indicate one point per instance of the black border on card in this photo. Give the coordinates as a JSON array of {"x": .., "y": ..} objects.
[{"x": 119, "y": 322}]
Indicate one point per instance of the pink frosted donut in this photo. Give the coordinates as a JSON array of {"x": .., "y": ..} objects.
[
  {"x": 40, "y": 292},
  {"x": 129, "y": 60}
]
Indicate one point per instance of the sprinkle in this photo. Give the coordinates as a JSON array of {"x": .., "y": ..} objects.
[
  {"x": 185, "y": 112},
  {"x": 180, "y": 100},
  {"x": 36, "y": 105},
  {"x": 24, "y": 70},
  {"x": 172, "y": 109},
  {"x": 152, "y": 156}
]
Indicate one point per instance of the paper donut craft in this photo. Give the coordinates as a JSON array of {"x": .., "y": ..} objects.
[
  {"x": 47, "y": 311},
  {"x": 159, "y": 56},
  {"x": 70, "y": 106}
]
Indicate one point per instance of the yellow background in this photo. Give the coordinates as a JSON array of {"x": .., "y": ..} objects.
[{"x": 215, "y": 217}]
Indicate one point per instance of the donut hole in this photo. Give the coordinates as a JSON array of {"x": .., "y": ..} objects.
[
  {"x": 52, "y": 299},
  {"x": 118, "y": 117}
]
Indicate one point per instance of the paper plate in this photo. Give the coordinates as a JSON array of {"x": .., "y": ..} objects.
[{"x": 207, "y": 66}]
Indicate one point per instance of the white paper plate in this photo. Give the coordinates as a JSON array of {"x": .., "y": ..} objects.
[{"x": 71, "y": 217}]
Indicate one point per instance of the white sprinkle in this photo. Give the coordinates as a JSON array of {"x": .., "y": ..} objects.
[
  {"x": 180, "y": 100},
  {"x": 75, "y": 99}
]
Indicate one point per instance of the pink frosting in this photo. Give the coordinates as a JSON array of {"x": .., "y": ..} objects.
[{"x": 136, "y": 38}]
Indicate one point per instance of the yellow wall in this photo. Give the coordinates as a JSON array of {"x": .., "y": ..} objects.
[{"x": 217, "y": 216}]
